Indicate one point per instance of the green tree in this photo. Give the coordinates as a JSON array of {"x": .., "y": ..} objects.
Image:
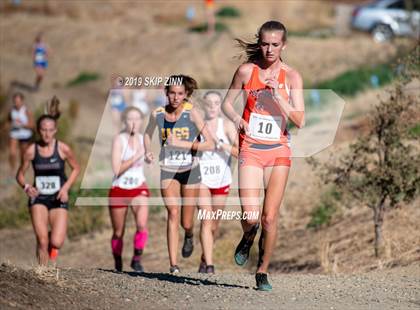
[{"x": 381, "y": 169}]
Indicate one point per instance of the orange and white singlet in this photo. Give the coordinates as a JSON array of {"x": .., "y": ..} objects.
[{"x": 268, "y": 141}]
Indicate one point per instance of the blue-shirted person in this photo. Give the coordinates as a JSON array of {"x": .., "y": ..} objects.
[{"x": 40, "y": 53}]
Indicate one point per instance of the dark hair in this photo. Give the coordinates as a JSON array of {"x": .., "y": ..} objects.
[
  {"x": 189, "y": 83},
  {"x": 18, "y": 94},
  {"x": 252, "y": 49},
  {"x": 52, "y": 112}
]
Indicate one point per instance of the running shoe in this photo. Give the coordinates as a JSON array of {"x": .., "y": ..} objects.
[
  {"x": 262, "y": 282},
  {"x": 52, "y": 253},
  {"x": 136, "y": 266},
  {"x": 243, "y": 248},
  {"x": 118, "y": 263},
  {"x": 210, "y": 269},
  {"x": 188, "y": 246},
  {"x": 174, "y": 269},
  {"x": 202, "y": 267}
]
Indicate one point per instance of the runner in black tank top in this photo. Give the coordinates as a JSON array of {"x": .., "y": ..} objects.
[
  {"x": 48, "y": 196},
  {"x": 49, "y": 177}
]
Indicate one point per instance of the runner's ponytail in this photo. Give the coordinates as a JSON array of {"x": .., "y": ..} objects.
[{"x": 51, "y": 112}]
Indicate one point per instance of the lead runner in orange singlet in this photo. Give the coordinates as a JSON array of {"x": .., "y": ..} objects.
[{"x": 274, "y": 96}]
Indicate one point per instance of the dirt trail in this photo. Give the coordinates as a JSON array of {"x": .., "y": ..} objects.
[{"x": 104, "y": 289}]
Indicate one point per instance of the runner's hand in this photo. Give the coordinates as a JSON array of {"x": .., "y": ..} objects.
[
  {"x": 63, "y": 195},
  {"x": 241, "y": 125},
  {"x": 148, "y": 157},
  {"x": 273, "y": 83},
  {"x": 32, "y": 192}
]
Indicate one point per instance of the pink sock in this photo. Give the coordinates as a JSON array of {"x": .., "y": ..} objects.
[
  {"x": 140, "y": 239},
  {"x": 117, "y": 246}
]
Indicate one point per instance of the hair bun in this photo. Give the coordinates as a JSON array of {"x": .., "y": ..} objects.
[{"x": 52, "y": 108}]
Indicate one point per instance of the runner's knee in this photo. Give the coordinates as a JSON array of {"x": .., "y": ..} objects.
[
  {"x": 173, "y": 214},
  {"x": 251, "y": 222},
  {"x": 268, "y": 222},
  {"x": 187, "y": 225},
  {"x": 56, "y": 242}
]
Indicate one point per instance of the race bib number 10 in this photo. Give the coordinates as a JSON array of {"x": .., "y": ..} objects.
[
  {"x": 47, "y": 185},
  {"x": 265, "y": 127}
]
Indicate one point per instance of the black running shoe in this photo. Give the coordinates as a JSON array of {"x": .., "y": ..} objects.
[
  {"x": 174, "y": 269},
  {"x": 261, "y": 249},
  {"x": 136, "y": 266},
  {"x": 262, "y": 282},
  {"x": 210, "y": 269},
  {"x": 202, "y": 267},
  {"x": 243, "y": 248},
  {"x": 188, "y": 246},
  {"x": 118, "y": 263}
]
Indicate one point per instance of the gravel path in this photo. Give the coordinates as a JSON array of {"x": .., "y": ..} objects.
[{"x": 397, "y": 288}]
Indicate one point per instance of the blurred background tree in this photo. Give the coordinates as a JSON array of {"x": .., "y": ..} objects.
[{"x": 381, "y": 169}]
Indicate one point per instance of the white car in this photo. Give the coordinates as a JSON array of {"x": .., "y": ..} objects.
[{"x": 388, "y": 18}]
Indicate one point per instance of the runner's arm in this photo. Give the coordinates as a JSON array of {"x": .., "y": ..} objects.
[
  {"x": 295, "y": 111},
  {"x": 196, "y": 145},
  {"x": 24, "y": 165},
  {"x": 240, "y": 77},
  {"x": 148, "y": 134},
  {"x": 120, "y": 166},
  {"x": 8, "y": 123},
  {"x": 71, "y": 160},
  {"x": 31, "y": 122},
  {"x": 208, "y": 144},
  {"x": 232, "y": 146}
]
